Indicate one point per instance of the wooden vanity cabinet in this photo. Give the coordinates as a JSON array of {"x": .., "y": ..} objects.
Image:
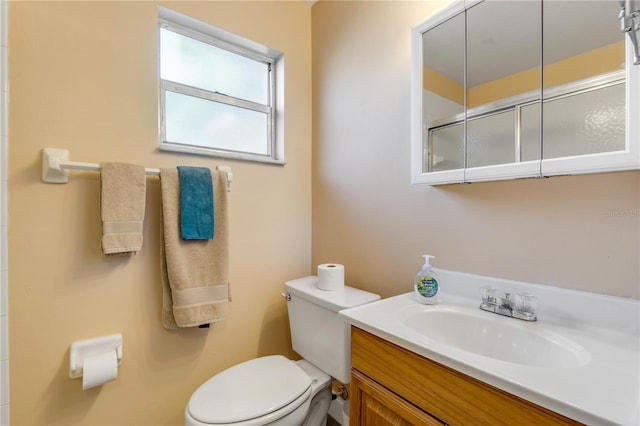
[
  {"x": 379, "y": 406},
  {"x": 394, "y": 386}
]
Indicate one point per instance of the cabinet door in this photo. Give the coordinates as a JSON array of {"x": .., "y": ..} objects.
[
  {"x": 503, "y": 48},
  {"x": 374, "y": 405},
  {"x": 590, "y": 105}
]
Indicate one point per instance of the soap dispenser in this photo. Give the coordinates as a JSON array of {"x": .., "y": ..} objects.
[{"x": 426, "y": 283}]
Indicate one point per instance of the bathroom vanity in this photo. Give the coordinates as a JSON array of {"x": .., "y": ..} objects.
[
  {"x": 453, "y": 363},
  {"x": 393, "y": 386}
]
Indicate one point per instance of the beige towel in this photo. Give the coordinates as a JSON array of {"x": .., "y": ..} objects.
[
  {"x": 123, "y": 191},
  {"x": 194, "y": 272}
]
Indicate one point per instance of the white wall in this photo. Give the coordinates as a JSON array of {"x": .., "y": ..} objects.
[{"x": 576, "y": 232}]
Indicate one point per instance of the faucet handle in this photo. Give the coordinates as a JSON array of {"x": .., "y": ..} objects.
[
  {"x": 526, "y": 302},
  {"x": 488, "y": 295}
]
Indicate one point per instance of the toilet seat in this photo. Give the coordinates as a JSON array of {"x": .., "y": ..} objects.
[{"x": 250, "y": 390}]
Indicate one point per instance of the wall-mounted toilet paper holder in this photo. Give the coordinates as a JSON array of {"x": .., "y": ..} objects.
[{"x": 83, "y": 349}]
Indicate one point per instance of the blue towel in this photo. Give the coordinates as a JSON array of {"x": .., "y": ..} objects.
[{"x": 196, "y": 203}]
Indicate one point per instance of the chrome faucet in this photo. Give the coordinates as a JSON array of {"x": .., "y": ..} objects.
[
  {"x": 523, "y": 307},
  {"x": 630, "y": 23},
  {"x": 505, "y": 305}
]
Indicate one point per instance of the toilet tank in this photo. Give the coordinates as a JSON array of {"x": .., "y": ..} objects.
[{"x": 318, "y": 334}]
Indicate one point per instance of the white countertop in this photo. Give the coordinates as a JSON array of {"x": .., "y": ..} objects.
[{"x": 604, "y": 390}]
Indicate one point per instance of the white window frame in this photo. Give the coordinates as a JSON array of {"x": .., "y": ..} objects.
[{"x": 222, "y": 39}]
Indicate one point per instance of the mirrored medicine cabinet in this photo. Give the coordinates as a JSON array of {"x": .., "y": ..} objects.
[{"x": 515, "y": 89}]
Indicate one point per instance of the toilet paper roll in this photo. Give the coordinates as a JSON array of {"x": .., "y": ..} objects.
[
  {"x": 330, "y": 276},
  {"x": 99, "y": 369}
]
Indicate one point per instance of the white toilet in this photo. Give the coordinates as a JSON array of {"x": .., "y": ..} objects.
[{"x": 274, "y": 390}]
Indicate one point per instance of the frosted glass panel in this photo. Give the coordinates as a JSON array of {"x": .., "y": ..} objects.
[
  {"x": 530, "y": 132},
  {"x": 585, "y": 123},
  {"x": 491, "y": 139},
  {"x": 447, "y": 148},
  {"x": 194, "y": 63},
  {"x": 203, "y": 123}
]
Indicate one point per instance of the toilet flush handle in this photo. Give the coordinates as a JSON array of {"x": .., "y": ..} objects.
[{"x": 287, "y": 296}]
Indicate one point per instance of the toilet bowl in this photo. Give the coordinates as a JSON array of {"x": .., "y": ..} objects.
[
  {"x": 271, "y": 390},
  {"x": 274, "y": 390}
]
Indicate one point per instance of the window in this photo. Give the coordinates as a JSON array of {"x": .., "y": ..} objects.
[{"x": 220, "y": 94}]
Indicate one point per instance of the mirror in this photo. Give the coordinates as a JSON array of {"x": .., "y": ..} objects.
[
  {"x": 584, "y": 79},
  {"x": 443, "y": 96},
  {"x": 503, "y": 76},
  {"x": 507, "y": 89}
]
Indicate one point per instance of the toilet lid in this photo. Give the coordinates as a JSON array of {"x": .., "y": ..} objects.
[{"x": 249, "y": 390}]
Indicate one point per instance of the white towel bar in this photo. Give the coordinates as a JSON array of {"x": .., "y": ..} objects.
[{"x": 55, "y": 163}]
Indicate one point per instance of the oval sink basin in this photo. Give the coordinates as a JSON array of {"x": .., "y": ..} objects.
[{"x": 496, "y": 337}]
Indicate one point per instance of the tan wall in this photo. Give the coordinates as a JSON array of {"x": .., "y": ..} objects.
[
  {"x": 595, "y": 62},
  {"x": 579, "y": 232},
  {"x": 578, "y": 67},
  {"x": 441, "y": 85},
  {"x": 83, "y": 77}
]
